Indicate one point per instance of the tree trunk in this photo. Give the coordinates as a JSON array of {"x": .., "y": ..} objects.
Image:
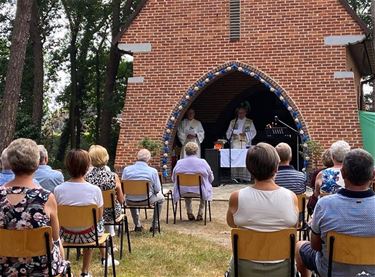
[
  {"x": 105, "y": 125},
  {"x": 38, "y": 70},
  {"x": 13, "y": 81}
]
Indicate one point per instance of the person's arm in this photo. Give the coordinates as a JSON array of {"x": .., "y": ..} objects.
[
  {"x": 229, "y": 131},
  {"x": 156, "y": 182},
  {"x": 296, "y": 210},
  {"x": 200, "y": 132},
  {"x": 232, "y": 209},
  {"x": 209, "y": 172},
  {"x": 318, "y": 183},
  {"x": 316, "y": 241},
  {"x": 51, "y": 211},
  {"x": 181, "y": 133},
  {"x": 119, "y": 193}
]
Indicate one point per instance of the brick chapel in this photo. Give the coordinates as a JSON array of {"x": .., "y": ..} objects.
[{"x": 299, "y": 60}]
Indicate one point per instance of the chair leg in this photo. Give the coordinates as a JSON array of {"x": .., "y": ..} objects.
[
  {"x": 69, "y": 271},
  {"x": 113, "y": 257},
  {"x": 106, "y": 259},
  {"x": 146, "y": 213},
  {"x": 158, "y": 218},
  {"x": 127, "y": 234},
  {"x": 166, "y": 220},
  {"x": 175, "y": 212},
  {"x": 209, "y": 209},
  {"x": 121, "y": 238},
  {"x": 78, "y": 253},
  {"x": 67, "y": 253},
  {"x": 205, "y": 212}
]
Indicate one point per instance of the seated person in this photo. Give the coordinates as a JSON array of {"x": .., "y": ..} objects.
[
  {"x": 25, "y": 205},
  {"x": 6, "y": 174},
  {"x": 350, "y": 211},
  {"x": 45, "y": 175},
  {"x": 77, "y": 192},
  {"x": 286, "y": 175},
  {"x": 142, "y": 171},
  {"x": 105, "y": 180},
  {"x": 191, "y": 164},
  {"x": 330, "y": 180},
  {"x": 264, "y": 207}
]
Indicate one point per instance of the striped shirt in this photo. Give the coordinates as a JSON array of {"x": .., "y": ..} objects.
[{"x": 291, "y": 179}]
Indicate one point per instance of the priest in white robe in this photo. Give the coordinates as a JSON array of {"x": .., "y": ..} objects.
[
  {"x": 189, "y": 130},
  {"x": 243, "y": 133}
]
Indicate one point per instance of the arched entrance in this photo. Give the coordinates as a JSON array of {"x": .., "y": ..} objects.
[{"x": 215, "y": 97}]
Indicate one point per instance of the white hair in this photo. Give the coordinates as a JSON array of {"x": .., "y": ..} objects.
[
  {"x": 42, "y": 153},
  {"x": 339, "y": 149},
  {"x": 191, "y": 148},
  {"x": 4, "y": 159},
  {"x": 144, "y": 155}
]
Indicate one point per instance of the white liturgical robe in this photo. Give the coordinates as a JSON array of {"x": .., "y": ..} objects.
[{"x": 190, "y": 127}]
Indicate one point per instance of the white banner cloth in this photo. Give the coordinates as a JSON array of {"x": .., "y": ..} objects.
[{"x": 238, "y": 157}]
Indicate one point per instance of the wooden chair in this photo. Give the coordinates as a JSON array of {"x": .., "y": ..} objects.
[
  {"x": 109, "y": 197},
  {"x": 191, "y": 180},
  {"x": 350, "y": 250},
  {"x": 71, "y": 217},
  {"x": 140, "y": 189},
  {"x": 302, "y": 225},
  {"x": 28, "y": 243},
  {"x": 168, "y": 194},
  {"x": 263, "y": 246}
]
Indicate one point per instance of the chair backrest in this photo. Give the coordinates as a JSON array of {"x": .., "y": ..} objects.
[
  {"x": 136, "y": 188},
  {"x": 301, "y": 202},
  {"x": 264, "y": 246},
  {"x": 25, "y": 243},
  {"x": 77, "y": 216},
  {"x": 351, "y": 250},
  {"x": 189, "y": 180},
  {"x": 109, "y": 197}
]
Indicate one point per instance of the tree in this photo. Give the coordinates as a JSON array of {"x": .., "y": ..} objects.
[{"x": 13, "y": 81}]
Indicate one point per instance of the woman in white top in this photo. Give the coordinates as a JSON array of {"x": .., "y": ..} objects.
[
  {"x": 263, "y": 207},
  {"x": 77, "y": 192}
]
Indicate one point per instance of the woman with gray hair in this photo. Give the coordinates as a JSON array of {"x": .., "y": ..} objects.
[
  {"x": 193, "y": 165},
  {"x": 330, "y": 180},
  {"x": 25, "y": 205}
]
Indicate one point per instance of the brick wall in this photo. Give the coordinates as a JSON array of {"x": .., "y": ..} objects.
[{"x": 283, "y": 39}]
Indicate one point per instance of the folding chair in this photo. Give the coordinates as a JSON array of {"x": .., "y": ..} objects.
[
  {"x": 141, "y": 189},
  {"x": 263, "y": 246},
  {"x": 121, "y": 221},
  {"x": 168, "y": 194},
  {"x": 302, "y": 225},
  {"x": 350, "y": 250},
  {"x": 78, "y": 217},
  {"x": 191, "y": 180},
  {"x": 28, "y": 243}
]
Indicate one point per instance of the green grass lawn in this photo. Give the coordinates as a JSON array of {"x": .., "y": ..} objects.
[{"x": 167, "y": 254}]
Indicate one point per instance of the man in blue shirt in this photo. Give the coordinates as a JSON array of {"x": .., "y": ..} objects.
[
  {"x": 6, "y": 174},
  {"x": 350, "y": 211},
  {"x": 45, "y": 175},
  {"x": 286, "y": 175},
  {"x": 142, "y": 171}
]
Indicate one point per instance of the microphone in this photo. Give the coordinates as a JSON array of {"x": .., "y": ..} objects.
[{"x": 276, "y": 118}]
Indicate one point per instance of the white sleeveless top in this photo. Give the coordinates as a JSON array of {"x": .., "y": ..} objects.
[{"x": 265, "y": 211}]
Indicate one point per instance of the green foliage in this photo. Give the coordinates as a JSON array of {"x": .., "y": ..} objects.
[
  {"x": 153, "y": 146},
  {"x": 314, "y": 152},
  {"x": 362, "y": 8}
]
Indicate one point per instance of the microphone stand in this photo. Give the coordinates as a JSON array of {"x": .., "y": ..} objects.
[
  {"x": 297, "y": 136},
  {"x": 230, "y": 151}
]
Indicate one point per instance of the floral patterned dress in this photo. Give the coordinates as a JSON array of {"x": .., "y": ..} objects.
[
  {"x": 27, "y": 214},
  {"x": 105, "y": 180}
]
